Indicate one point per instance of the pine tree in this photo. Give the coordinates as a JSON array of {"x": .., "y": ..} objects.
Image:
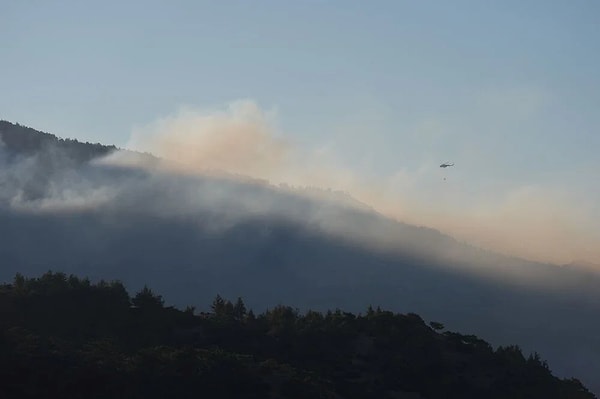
[
  {"x": 146, "y": 298},
  {"x": 239, "y": 309},
  {"x": 218, "y": 306}
]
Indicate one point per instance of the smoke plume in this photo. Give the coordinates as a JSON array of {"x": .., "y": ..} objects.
[{"x": 536, "y": 222}]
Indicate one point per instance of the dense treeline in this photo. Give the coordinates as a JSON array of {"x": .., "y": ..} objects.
[
  {"x": 63, "y": 336},
  {"x": 24, "y": 140}
]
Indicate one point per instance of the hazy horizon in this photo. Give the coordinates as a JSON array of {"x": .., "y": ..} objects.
[
  {"x": 367, "y": 99},
  {"x": 534, "y": 222},
  {"x": 240, "y": 140}
]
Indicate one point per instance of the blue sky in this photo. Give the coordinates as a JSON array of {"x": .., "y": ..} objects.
[{"x": 509, "y": 90}]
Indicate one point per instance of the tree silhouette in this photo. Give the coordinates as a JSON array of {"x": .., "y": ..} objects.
[
  {"x": 239, "y": 309},
  {"x": 436, "y": 325},
  {"x": 218, "y": 306},
  {"x": 61, "y": 336},
  {"x": 146, "y": 299}
]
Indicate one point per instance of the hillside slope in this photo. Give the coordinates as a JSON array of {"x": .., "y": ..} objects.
[
  {"x": 64, "y": 337},
  {"x": 193, "y": 236}
]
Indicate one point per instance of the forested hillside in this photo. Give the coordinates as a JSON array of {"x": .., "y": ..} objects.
[
  {"x": 65, "y": 337},
  {"x": 25, "y": 141},
  {"x": 192, "y": 235}
]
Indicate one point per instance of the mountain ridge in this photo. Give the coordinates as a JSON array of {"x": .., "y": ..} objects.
[{"x": 190, "y": 236}]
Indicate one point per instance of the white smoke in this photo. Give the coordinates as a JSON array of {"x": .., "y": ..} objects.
[{"x": 536, "y": 222}]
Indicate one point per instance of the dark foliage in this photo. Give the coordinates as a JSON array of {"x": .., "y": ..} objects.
[
  {"x": 62, "y": 336},
  {"x": 26, "y": 141}
]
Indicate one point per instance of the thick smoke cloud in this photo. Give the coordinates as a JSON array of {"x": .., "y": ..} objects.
[
  {"x": 123, "y": 182},
  {"x": 185, "y": 186},
  {"x": 537, "y": 222},
  {"x": 241, "y": 143}
]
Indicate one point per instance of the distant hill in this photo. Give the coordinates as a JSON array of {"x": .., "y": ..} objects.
[
  {"x": 62, "y": 336},
  {"x": 193, "y": 236},
  {"x": 25, "y": 141}
]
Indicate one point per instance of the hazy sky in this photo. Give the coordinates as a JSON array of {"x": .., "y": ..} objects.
[{"x": 387, "y": 90}]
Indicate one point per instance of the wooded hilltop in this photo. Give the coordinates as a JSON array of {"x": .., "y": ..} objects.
[{"x": 63, "y": 336}]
